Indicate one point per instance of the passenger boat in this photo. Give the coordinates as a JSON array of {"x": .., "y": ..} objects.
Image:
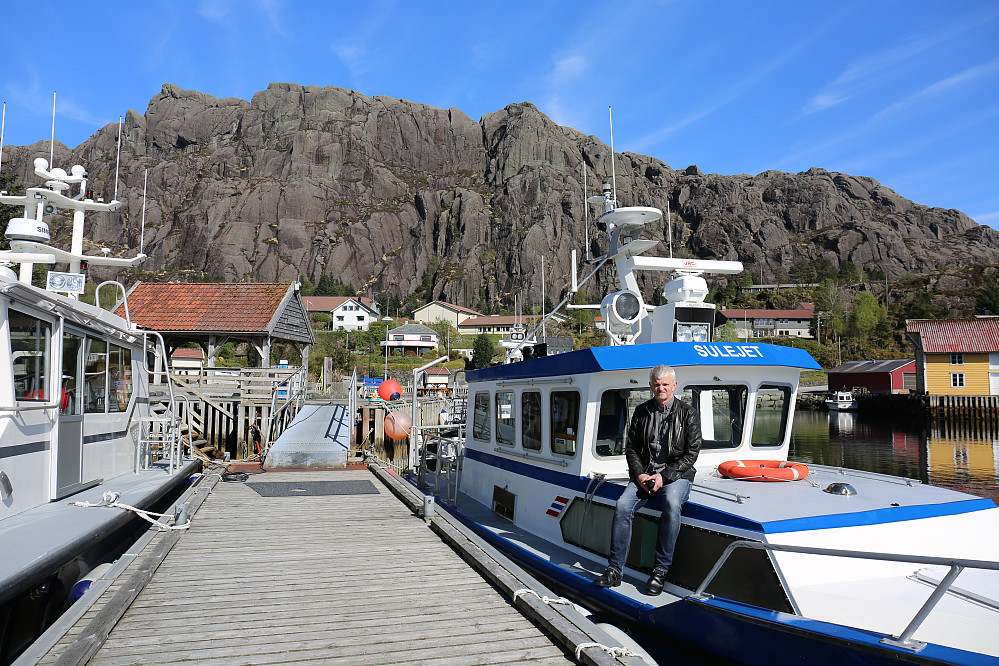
[
  {"x": 839, "y": 566},
  {"x": 841, "y": 401},
  {"x": 75, "y": 414}
]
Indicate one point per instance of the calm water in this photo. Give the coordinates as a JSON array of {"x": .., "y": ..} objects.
[{"x": 959, "y": 458}]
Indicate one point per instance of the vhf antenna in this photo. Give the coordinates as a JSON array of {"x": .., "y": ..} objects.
[
  {"x": 586, "y": 211},
  {"x": 142, "y": 231},
  {"x": 118, "y": 163},
  {"x": 3, "y": 121},
  {"x": 52, "y": 142},
  {"x": 610, "y": 118}
]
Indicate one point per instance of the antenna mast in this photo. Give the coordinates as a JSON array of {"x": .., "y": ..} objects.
[
  {"x": 52, "y": 142},
  {"x": 586, "y": 211},
  {"x": 610, "y": 117},
  {"x": 142, "y": 230},
  {"x": 117, "y": 164},
  {"x": 3, "y": 121},
  {"x": 669, "y": 228}
]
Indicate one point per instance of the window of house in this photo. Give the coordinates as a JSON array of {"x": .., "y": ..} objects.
[
  {"x": 339, "y": 317},
  {"x": 424, "y": 338},
  {"x": 506, "y": 422},
  {"x": 957, "y": 359},
  {"x": 530, "y": 409},
  {"x": 957, "y": 380},
  {"x": 29, "y": 342},
  {"x": 565, "y": 422},
  {"x": 480, "y": 417},
  {"x": 360, "y": 317}
]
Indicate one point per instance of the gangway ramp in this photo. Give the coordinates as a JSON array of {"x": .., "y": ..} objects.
[{"x": 318, "y": 438}]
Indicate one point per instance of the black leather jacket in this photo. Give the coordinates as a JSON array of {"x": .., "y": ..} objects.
[{"x": 685, "y": 441}]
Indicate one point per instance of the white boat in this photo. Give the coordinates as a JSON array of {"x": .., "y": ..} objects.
[
  {"x": 75, "y": 415},
  {"x": 841, "y": 401},
  {"x": 842, "y": 566}
]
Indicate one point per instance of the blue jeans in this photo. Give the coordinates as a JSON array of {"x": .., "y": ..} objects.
[{"x": 673, "y": 496}]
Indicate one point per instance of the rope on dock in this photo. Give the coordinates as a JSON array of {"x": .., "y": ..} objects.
[
  {"x": 110, "y": 499},
  {"x": 549, "y": 600},
  {"x": 612, "y": 651}
]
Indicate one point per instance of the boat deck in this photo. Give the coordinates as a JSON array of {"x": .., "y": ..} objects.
[{"x": 309, "y": 567}]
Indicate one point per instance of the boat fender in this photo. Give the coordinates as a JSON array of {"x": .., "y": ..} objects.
[
  {"x": 193, "y": 479},
  {"x": 763, "y": 470},
  {"x": 86, "y": 581}
]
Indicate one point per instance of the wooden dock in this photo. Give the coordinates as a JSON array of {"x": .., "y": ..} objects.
[{"x": 334, "y": 569}]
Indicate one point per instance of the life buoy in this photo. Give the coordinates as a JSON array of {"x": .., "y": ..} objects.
[{"x": 763, "y": 470}]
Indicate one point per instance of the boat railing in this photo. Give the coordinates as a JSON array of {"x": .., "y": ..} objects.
[
  {"x": 124, "y": 298},
  {"x": 442, "y": 450},
  {"x": 904, "y": 639}
]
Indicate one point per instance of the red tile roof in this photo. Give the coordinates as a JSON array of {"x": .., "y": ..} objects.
[
  {"x": 499, "y": 320},
  {"x": 188, "y": 352},
  {"x": 220, "y": 307},
  {"x": 956, "y": 336}
]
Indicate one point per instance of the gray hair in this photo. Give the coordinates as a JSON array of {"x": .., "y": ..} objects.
[{"x": 661, "y": 371}]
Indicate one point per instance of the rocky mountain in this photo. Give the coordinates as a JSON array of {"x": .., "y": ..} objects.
[{"x": 385, "y": 193}]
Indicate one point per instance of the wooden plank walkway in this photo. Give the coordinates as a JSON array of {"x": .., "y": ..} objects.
[{"x": 318, "y": 579}]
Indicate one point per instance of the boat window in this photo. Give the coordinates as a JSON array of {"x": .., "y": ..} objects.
[
  {"x": 565, "y": 421},
  {"x": 72, "y": 356},
  {"x": 480, "y": 417},
  {"x": 506, "y": 423},
  {"x": 722, "y": 411},
  {"x": 95, "y": 376},
  {"x": 120, "y": 375},
  {"x": 29, "y": 344},
  {"x": 770, "y": 421},
  {"x": 616, "y": 408},
  {"x": 530, "y": 410}
]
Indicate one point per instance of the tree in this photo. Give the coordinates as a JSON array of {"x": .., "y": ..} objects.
[
  {"x": 482, "y": 351},
  {"x": 443, "y": 330},
  {"x": 987, "y": 298},
  {"x": 727, "y": 333},
  {"x": 867, "y": 314}
]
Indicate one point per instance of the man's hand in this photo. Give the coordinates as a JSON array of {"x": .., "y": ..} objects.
[{"x": 657, "y": 482}]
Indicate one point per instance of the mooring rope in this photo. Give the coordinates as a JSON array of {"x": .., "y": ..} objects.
[
  {"x": 612, "y": 651},
  {"x": 548, "y": 600},
  {"x": 110, "y": 499}
]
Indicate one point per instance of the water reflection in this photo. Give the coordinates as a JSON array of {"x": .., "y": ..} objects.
[{"x": 960, "y": 458}]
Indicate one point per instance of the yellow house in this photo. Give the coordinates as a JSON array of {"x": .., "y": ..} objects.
[{"x": 956, "y": 356}]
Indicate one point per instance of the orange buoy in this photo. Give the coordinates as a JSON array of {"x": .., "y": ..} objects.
[
  {"x": 763, "y": 470},
  {"x": 389, "y": 390},
  {"x": 398, "y": 424}
]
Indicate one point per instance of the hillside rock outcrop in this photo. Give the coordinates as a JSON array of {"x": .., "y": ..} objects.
[{"x": 376, "y": 191}]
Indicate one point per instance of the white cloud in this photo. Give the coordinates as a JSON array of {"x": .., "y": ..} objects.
[{"x": 215, "y": 10}]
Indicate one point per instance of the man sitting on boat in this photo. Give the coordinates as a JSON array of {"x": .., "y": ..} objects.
[{"x": 663, "y": 442}]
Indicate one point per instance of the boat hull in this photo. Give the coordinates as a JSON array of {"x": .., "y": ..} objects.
[{"x": 713, "y": 628}]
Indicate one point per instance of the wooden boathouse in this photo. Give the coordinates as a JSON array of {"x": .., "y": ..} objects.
[{"x": 223, "y": 401}]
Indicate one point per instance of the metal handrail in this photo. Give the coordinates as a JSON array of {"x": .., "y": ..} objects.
[
  {"x": 124, "y": 298},
  {"x": 296, "y": 379},
  {"x": 904, "y": 639},
  {"x": 169, "y": 384}
]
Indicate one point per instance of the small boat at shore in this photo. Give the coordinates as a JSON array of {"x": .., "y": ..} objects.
[
  {"x": 841, "y": 401},
  {"x": 824, "y": 565},
  {"x": 76, "y": 421}
]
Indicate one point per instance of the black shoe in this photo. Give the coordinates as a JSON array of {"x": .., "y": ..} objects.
[
  {"x": 656, "y": 582},
  {"x": 611, "y": 577}
]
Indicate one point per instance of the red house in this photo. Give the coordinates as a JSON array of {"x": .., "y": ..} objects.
[{"x": 891, "y": 376}]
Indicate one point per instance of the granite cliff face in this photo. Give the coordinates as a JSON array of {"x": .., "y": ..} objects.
[{"x": 378, "y": 191}]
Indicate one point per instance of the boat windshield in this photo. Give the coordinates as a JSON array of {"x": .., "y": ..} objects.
[{"x": 616, "y": 408}]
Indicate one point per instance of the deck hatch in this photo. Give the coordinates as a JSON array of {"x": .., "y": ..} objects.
[{"x": 313, "y": 488}]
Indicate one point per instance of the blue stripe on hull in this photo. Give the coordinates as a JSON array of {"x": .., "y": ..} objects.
[
  {"x": 695, "y": 511},
  {"x": 740, "y": 632}
]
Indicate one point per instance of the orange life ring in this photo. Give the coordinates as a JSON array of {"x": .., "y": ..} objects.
[{"x": 763, "y": 470}]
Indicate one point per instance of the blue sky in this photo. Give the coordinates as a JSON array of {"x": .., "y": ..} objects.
[{"x": 906, "y": 92}]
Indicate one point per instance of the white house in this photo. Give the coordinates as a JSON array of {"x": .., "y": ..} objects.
[
  {"x": 187, "y": 360},
  {"x": 758, "y": 323},
  {"x": 503, "y": 323},
  {"x": 412, "y": 339},
  {"x": 346, "y": 313},
  {"x": 441, "y": 311}
]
